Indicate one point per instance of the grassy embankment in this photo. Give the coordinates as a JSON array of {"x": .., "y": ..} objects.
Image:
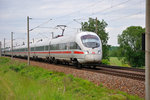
[
  {"x": 115, "y": 61},
  {"x": 21, "y": 82},
  {"x": 114, "y": 56}
]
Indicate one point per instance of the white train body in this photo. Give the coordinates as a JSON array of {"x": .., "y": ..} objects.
[{"x": 84, "y": 47}]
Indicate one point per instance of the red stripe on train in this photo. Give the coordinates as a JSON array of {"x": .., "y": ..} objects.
[
  {"x": 56, "y": 52},
  {"x": 78, "y": 52}
]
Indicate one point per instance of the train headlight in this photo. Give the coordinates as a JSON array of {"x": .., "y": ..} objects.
[
  {"x": 86, "y": 52},
  {"x": 99, "y": 51}
]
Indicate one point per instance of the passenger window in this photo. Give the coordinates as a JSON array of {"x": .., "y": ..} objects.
[
  {"x": 46, "y": 48},
  {"x": 74, "y": 45}
]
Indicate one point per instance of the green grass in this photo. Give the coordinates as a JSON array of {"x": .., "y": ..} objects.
[
  {"x": 21, "y": 82},
  {"x": 117, "y": 62}
]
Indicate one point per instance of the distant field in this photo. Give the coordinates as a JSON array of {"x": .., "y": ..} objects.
[
  {"x": 21, "y": 82},
  {"x": 117, "y": 62}
]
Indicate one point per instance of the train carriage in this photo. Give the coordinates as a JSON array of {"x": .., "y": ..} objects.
[{"x": 83, "y": 48}]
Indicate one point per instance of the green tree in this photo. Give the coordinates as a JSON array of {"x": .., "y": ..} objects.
[
  {"x": 131, "y": 47},
  {"x": 101, "y": 32},
  {"x": 113, "y": 51}
]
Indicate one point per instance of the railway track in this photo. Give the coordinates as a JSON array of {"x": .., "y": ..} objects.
[
  {"x": 123, "y": 68},
  {"x": 117, "y": 72},
  {"x": 132, "y": 73}
]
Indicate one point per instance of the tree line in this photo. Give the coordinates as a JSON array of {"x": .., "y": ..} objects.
[{"x": 130, "y": 42}]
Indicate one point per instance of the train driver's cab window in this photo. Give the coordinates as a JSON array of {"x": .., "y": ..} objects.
[{"x": 90, "y": 41}]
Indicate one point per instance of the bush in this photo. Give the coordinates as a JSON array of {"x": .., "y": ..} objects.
[
  {"x": 17, "y": 68},
  {"x": 105, "y": 61},
  {"x": 4, "y": 60}
]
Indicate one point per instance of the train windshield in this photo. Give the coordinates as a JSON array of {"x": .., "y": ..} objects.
[{"x": 90, "y": 41}]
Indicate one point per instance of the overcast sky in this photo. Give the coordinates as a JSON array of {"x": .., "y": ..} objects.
[{"x": 118, "y": 14}]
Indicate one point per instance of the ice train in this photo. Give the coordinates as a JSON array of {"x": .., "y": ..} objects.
[{"x": 84, "y": 48}]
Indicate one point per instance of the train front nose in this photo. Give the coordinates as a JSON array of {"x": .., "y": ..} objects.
[{"x": 93, "y": 58}]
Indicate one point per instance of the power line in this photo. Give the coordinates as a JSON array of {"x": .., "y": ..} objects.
[
  {"x": 40, "y": 25},
  {"x": 116, "y": 6},
  {"x": 119, "y": 5},
  {"x": 126, "y": 16},
  {"x": 42, "y": 35},
  {"x": 111, "y": 7},
  {"x": 80, "y": 9},
  {"x": 69, "y": 22},
  {"x": 92, "y": 6},
  {"x": 48, "y": 27}
]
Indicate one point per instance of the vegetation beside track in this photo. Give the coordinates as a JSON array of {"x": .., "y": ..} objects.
[
  {"x": 115, "y": 61},
  {"x": 21, "y": 82},
  {"x": 118, "y": 61}
]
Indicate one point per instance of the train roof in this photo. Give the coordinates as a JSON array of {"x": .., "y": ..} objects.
[
  {"x": 61, "y": 39},
  {"x": 70, "y": 38}
]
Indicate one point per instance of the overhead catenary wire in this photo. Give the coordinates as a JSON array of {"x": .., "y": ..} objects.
[
  {"x": 127, "y": 16},
  {"x": 108, "y": 8},
  {"x": 112, "y": 6},
  {"x": 40, "y": 25},
  {"x": 42, "y": 35},
  {"x": 124, "y": 2},
  {"x": 105, "y": 9},
  {"x": 95, "y": 3},
  {"x": 120, "y": 5}
]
